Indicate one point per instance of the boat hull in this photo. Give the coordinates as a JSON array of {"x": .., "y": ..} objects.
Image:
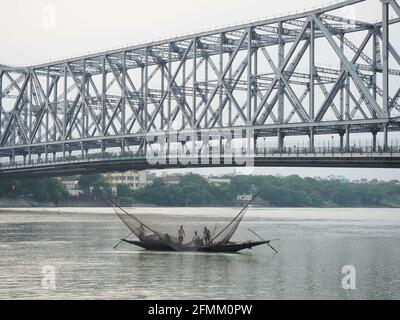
[{"x": 230, "y": 247}]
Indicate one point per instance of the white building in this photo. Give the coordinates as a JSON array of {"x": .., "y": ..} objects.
[
  {"x": 71, "y": 184},
  {"x": 133, "y": 179},
  {"x": 219, "y": 181}
]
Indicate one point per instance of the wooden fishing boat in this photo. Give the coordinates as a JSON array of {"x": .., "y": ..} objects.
[
  {"x": 150, "y": 239},
  {"x": 230, "y": 247}
]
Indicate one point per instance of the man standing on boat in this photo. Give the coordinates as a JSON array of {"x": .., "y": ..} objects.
[
  {"x": 207, "y": 236},
  {"x": 181, "y": 235}
]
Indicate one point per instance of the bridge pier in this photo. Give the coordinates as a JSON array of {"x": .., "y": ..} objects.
[
  {"x": 255, "y": 149},
  {"x": 347, "y": 147},
  {"x": 103, "y": 148},
  {"x": 82, "y": 151},
  {"x": 374, "y": 134},
  {"x": 385, "y": 138},
  {"x": 46, "y": 156},
  {"x": 311, "y": 139},
  {"x": 341, "y": 136},
  {"x": 281, "y": 140}
]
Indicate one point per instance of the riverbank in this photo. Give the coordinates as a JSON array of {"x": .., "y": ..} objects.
[{"x": 22, "y": 204}]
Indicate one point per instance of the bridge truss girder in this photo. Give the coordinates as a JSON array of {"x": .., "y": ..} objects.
[{"x": 261, "y": 75}]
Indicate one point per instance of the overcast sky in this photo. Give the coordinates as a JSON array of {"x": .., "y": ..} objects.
[{"x": 41, "y": 30}]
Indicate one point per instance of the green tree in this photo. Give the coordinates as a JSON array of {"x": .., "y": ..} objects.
[{"x": 94, "y": 184}]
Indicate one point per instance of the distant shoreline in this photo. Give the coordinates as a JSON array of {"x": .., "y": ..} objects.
[{"x": 54, "y": 208}]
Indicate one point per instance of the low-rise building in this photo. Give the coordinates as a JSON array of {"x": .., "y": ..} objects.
[
  {"x": 132, "y": 178},
  {"x": 71, "y": 184},
  {"x": 219, "y": 181},
  {"x": 170, "y": 180},
  {"x": 244, "y": 197}
]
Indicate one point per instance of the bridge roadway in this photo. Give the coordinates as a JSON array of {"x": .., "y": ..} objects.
[{"x": 359, "y": 158}]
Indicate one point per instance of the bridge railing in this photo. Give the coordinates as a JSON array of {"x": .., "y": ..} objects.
[{"x": 176, "y": 152}]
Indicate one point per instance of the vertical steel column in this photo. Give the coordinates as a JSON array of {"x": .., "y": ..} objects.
[
  {"x": 249, "y": 75},
  {"x": 87, "y": 95},
  {"x": 103, "y": 104},
  {"x": 206, "y": 87},
  {"x": 341, "y": 137},
  {"x": 1, "y": 98},
  {"x": 255, "y": 81},
  {"x": 347, "y": 84},
  {"x": 123, "y": 101},
  {"x": 281, "y": 98},
  {"x": 169, "y": 101},
  {"x": 385, "y": 58},
  {"x": 146, "y": 90},
  {"x": 194, "y": 100},
  {"x": 142, "y": 94},
  {"x": 30, "y": 115},
  {"x": 103, "y": 95},
  {"x": 254, "y": 84},
  {"x": 374, "y": 62},
  {"x": 39, "y": 131},
  {"x": 312, "y": 83},
  {"x": 55, "y": 106},
  {"x": 347, "y": 138},
  {"x": 221, "y": 70},
  {"x": 311, "y": 139},
  {"x": 230, "y": 101},
  {"x": 83, "y": 117},
  {"x": 65, "y": 103},
  {"x": 281, "y": 138},
  {"x": 194, "y": 82},
  {"x": 46, "y": 106},
  {"x": 281, "y": 58},
  {"x": 162, "y": 94},
  {"x": 341, "y": 111},
  {"x": 26, "y": 110},
  {"x": 65, "y": 106},
  {"x": 374, "y": 133},
  {"x": 83, "y": 150},
  {"x": 385, "y": 138},
  {"x": 169, "y": 89},
  {"x": 183, "y": 91},
  {"x": 385, "y": 71}
]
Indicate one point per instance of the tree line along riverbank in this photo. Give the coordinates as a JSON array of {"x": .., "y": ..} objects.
[{"x": 194, "y": 190}]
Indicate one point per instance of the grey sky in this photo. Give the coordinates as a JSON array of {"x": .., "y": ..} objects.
[
  {"x": 41, "y": 30},
  {"x": 30, "y": 33}
]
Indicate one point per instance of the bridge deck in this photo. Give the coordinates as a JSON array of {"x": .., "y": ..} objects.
[{"x": 141, "y": 162}]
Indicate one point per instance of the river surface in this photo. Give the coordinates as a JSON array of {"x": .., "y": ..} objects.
[{"x": 68, "y": 254}]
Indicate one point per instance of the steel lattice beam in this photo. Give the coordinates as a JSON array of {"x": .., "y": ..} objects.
[{"x": 222, "y": 79}]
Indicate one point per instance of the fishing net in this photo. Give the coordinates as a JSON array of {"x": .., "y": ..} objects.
[
  {"x": 164, "y": 237},
  {"x": 225, "y": 235},
  {"x": 142, "y": 231}
]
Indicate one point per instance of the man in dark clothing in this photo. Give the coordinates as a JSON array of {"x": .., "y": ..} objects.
[{"x": 207, "y": 236}]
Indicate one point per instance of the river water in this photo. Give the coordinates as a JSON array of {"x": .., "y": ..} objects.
[{"x": 314, "y": 246}]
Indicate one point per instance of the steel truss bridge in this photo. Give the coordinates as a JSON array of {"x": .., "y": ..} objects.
[{"x": 270, "y": 77}]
